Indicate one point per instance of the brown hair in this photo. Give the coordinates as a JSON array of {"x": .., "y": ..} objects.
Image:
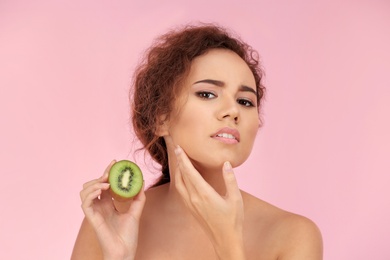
[{"x": 158, "y": 78}]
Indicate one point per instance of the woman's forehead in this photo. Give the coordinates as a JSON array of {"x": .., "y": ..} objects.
[{"x": 220, "y": 64}]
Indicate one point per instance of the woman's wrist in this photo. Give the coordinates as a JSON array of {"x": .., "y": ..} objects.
[
  {"x": 117, "y": 257},
  {"x": 120, "y": 255},
  {"x": 231, "y": 247}
]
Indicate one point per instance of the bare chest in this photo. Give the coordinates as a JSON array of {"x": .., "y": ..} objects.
[
  {"x": 168, "y": 241},
  {"x": 190, "y": 242}
]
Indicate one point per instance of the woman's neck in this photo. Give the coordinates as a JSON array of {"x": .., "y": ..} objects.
[{"x": 213, "y": 177}]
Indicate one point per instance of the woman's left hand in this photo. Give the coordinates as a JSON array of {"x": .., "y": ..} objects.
[{"x": 220, "y": 216}]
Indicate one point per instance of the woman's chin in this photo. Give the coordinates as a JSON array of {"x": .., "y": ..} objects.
[{"x": 216, "y": 165}]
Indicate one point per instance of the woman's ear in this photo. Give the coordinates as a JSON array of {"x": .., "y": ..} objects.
[{"x": 162, "y": 126}]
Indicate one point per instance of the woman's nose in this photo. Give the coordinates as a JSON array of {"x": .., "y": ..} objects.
[{"x": 229, "y": 110}]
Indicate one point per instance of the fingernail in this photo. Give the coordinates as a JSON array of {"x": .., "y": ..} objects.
[
  {"x": 178, "y": 150},
  {"x": 227, "y": 166}
]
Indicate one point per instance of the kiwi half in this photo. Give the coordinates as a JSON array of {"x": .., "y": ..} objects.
[{"x": 125, "y": 180}]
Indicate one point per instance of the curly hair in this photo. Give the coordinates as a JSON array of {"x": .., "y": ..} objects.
[{"x": 157, "y": 80}]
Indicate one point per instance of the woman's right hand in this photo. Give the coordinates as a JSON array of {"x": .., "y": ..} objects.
[{"x": 117, "y": 231}]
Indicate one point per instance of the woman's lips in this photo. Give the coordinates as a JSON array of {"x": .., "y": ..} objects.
[{"x": 227, "y": 135}]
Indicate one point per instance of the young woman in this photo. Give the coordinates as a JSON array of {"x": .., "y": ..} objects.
[{"x": 196, "y": 102}]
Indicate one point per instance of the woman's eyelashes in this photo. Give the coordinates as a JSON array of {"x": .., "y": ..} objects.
[
  {"x": 210, "y": 95},
  {"x": 206, "y": 94},
  {"x": 245, "y": 102}
]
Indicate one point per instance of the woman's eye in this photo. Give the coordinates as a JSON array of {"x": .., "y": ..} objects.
[
  {"x": 205, "y": 95},
  {"x": 245, "y": 102}
]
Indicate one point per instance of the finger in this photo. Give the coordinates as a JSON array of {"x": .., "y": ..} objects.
[
  {"x": 232, "y": 189},
  {"x": 193, "y": 181},
  {"x": 90, "y": 195},
  {"x": 107, "y": 170},
  {"x": 191, "y": 185},
  {"x": 181, "y": 187},
  {"x": 88, "y": 200},
  {"x": 84, "y": 194},
  {"x": 106, "y": 194},
  {"x": 90, "y": 183},
  {"x": 88, "y": 204}
]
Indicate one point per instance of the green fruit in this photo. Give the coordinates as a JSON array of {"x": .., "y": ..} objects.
[{"x": 125, "y": 180}]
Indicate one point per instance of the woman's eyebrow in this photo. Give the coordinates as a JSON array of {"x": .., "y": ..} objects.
[
  {"x": 247, "y": 89},
  {"x": 211, "y": 81},
  {"x": 219, "y": 83}
]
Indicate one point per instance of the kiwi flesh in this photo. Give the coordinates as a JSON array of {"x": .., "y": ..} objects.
[{"x": 125, "y": 180}]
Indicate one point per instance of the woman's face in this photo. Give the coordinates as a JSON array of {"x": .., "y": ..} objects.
[{"x": 217, "y": 120}]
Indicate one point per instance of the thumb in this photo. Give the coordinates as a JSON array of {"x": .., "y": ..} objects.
[{"x": 137, "y": 204}]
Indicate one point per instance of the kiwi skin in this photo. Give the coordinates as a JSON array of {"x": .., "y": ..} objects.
[{"x": 128, "y": 172}]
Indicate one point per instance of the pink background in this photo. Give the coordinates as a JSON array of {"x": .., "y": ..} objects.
[{"x": 323, "y": 152}]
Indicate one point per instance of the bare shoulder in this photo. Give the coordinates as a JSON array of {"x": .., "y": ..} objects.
[
  {"x": 290, "y": 235},
  {"x": 301, "y": 237},
  {"x": 87, "y": 245}
]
